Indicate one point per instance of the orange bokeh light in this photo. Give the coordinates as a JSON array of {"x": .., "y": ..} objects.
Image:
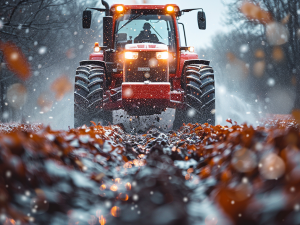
[
  {"x": 124, "y": 197},
  {"x": 9, "y": 222},
  {"x": 113, "y": 187},
  {"x": 102, "y": 187},
  {"x": 128, "y": 186},
  {"x": 102, "y": 220},
  {"x": 115, "y": 211}
]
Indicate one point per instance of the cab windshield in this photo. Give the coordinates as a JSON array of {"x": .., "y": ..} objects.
[{"x": 148, "y": 28}]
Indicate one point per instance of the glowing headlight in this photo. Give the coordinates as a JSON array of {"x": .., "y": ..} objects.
[
  {"x": 162, "y": 55},
  {"x": 96, "y": 47},
  {"x": 120, "y": 8},
  {"x": 170, "y": 8},
  {"x": 131, "y": 55},
  {"x": 191, "y": 49}
]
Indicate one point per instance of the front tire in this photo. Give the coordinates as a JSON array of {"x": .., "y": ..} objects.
[
  {"x": 199, "y": 96},
  {"x": 88, "y": 96}
]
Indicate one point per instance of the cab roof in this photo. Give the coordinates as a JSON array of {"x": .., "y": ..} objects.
[
  {"x": 145, "y": 6},
  {"x": 132, "y": 9}
]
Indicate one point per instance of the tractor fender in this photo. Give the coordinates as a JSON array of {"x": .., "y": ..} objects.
[
  {"x": 189, "y": 62},
  {"x": 93, "y": 62}
]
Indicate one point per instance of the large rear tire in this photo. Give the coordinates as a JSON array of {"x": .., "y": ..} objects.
[
  {"x": 88, "y": 96},
  {"x": 199, "y": 96}
]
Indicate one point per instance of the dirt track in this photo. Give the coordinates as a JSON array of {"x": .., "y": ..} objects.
[{"x": 197, "y": 175}]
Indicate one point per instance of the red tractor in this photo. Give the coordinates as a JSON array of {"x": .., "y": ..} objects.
[{"x": 142, "y": 68}]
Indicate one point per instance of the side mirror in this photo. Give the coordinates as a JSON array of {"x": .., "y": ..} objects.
[
  {"x": 201, "y": 20},
  {"x": 86, "y": 19}
]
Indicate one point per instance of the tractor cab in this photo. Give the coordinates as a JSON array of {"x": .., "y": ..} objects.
[{"x": 153, "y": 26}]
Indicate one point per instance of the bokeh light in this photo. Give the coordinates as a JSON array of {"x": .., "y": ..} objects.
[{"x": 271, "y": 166}]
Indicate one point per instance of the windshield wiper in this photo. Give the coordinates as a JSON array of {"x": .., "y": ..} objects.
[
  {"x": 133, "y": 18},
  {"x": 156, "y": 31}
]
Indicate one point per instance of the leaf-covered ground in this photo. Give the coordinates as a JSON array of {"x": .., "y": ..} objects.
[{"x": 200, "y": 174}]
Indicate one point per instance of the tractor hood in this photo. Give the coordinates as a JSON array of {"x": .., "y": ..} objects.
[{"x": 146, "y": 47}]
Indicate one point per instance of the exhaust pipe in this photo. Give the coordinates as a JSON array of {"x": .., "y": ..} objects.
[{"x": 106, "y": 5}]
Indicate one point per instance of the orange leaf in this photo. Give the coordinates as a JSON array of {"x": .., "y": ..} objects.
[
  {"x": 125, "y": 158},
  {"x": 230, "y": 56},
  {"x": 15, "y": 59},
  {"x": 70, "y": 53},
  {"x": 205, "y": 172},
  {"x": 254, "y": 12},
  {"x": 296, "y": 115},
  {"x": 99, "y": 176},
  {"x": 61, "y": 86},
  {"x": 286, "y": 19},
  {"x": 259, "y": 53},
  {"x": 278, "y": 54}
]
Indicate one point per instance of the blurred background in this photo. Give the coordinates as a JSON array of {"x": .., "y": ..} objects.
[{"x": 254, "y": 47}]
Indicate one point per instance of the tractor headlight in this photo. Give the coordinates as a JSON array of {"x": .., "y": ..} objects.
[
  {"x": 131, "y": 55},
  {"x": 191, "y": 49},
  {"x": 97, "y": 47},
  {"x": 162, "y": 55}
]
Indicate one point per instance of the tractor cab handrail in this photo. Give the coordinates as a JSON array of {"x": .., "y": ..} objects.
[
  {"x": 189, "y": 10},
  {"x": 97, "y": 9}
]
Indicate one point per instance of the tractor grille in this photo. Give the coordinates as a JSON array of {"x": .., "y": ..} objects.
[{"x": 145, "y": 68}]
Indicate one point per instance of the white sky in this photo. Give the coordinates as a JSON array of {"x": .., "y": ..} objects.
[{"x": 214, "y": 10}]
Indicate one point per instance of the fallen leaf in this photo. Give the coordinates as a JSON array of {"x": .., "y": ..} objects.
[
  {"x": 125, "y": 159},
  {"x": 296, "y": 115},
  {"x": 79, "y": 163},
  {"x": 99, "y": 176}
]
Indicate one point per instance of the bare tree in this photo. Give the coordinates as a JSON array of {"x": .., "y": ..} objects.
[
  {"x": 283, "y": 14},
  {"x": 49, "y": 33}
]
